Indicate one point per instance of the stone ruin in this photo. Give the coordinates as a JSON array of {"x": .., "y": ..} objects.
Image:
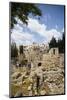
[
  {"x": 54, "y": 51},
  {"x": 44, "y": 71}
]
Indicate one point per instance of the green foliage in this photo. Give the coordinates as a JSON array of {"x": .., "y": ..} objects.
[
  {"x": 14, "y": 50},
  {"x": 60, "y": 44},
  {"x": 53, "y": 43},
  {"x": 21, "y": 49},
  {"x": 22, "y": 10}
]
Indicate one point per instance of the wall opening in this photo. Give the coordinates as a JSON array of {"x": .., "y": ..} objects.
[
  {"x": 54, "y": 51},
  {"x": 39, "y": 64}
]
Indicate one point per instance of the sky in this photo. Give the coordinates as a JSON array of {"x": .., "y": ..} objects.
[{"x": 40, "y": 29}]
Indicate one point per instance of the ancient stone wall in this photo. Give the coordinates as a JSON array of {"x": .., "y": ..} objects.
[
  {"x": 54, "y": 51},
  {"x": 45, "y": 75}
]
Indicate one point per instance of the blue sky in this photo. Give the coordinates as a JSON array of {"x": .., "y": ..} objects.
[
  {"x": 41, "y": 30},
  {"x": 53, "y": 16}
]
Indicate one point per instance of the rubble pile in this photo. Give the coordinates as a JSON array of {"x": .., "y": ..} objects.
[{"x": 43, "y": 76}]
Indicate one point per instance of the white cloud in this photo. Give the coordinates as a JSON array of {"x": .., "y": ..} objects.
[
  {"x": 35, "y": 26},
  {"x": 20, "y": 36},
  {"x": 39, "y": 28}
]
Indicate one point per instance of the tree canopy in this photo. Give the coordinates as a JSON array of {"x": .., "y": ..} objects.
[
  {"x": 22, "y": 10},
  {"x": 21, "y": 49},
  {"x": 60, "y": 43},
  {"x": 14, "y": 50},
  {"x": 53, "y": 43}
]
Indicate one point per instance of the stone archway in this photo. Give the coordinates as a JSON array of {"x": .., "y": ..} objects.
[{"x": 39, "y": 64}]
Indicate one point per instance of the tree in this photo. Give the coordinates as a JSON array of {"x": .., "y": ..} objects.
[
  {"x": 61, "y": 44},
  {"x": 22, "y": 10},
  {"x": 14, "y": 50},
  {"x": 53, "y": 43},
  {"x": 21, "y": 49}
]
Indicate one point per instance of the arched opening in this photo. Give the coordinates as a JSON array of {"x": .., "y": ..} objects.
[
  {"x": 39, "y": 64},
  {"x": 54, "y": 51}
]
